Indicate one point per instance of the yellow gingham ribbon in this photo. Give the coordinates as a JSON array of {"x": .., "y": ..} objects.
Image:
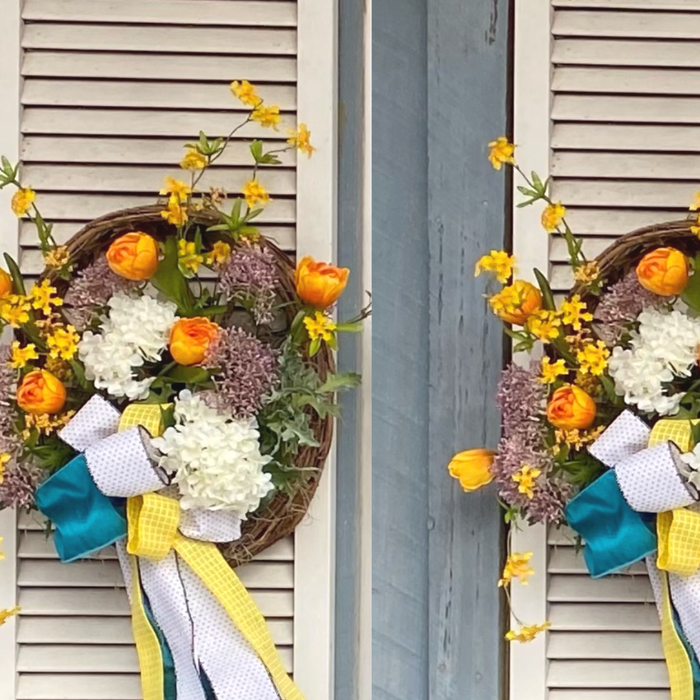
[{"x": 153, "y": 522}]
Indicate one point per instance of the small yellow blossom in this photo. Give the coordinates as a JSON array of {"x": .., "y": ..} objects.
[
  {"x": 45, "y": 423},
  {"x": 5, "y": 615},
  {"x": 589, "y": 383},
  {"x": 501, "y": 152},
  {"x": 58, "y": 367},
  {"x": 695, "y": 205},
  {"x": 593, "y": 358},
  {"x": 175, "y": 214},
  {"x": 573, "y": 312},
  {"x": 5, "y": 457},
  {"x": 301, "y": 139},
  {"x": 217, "y": 194},
  {"x": 498, "y": 262},
  {"x": 220, "y": 253},
  {"x": 14, "y": 309},
  {"x": 527, "y": 633},
  {"x": 42, "y": 296},
  {"x": 22, "y": 355},
  {"x": 246, "y": 92},
  {"x": 587, "y": 272},
  {"x": 320, "y": 326},
  {"x": 188, "y": 258},
  {"x": 525, "y": 479},
  {"x": 266, "y": 116},
  {"x": 57, "y": 258},
  {"x": 193, "y": 160},
  {"x": 544, "y": 325},
  {"x": 576, "y": 438},
  {"x": 552, "y": 216},
  {"x": 176, "y": 188},
  {"x": 551, "y": 370},
  {"x": 255, "y": 193},
  {"x": 22, "y": 200},
  {"x": 517, "y": 567},
  {"x": 63, "y": 343}
]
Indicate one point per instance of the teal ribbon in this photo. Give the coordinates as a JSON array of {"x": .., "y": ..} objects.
[{"x": 616, "y": 536}]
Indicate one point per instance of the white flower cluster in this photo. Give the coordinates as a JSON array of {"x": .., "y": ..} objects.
[
  {"x": 665, "y": 347},
  {"x": 215, "y": 460},
  {"x": 136, "y": 330}
]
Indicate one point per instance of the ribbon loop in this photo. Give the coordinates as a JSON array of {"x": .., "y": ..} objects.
[
  {"x": 679, "y": 542},
  {"x": 153, "y": 522}
]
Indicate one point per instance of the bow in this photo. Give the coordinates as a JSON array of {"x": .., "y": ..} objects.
[
  {"x": 189, "y": 609},
  {"x": 637, "y": 508}
]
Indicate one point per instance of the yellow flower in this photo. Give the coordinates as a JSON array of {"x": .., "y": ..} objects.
[
  {"x": 588, "y": 272},
  {"x": 220, "y": 252},
  {"x": 187, "y": 256},
  {"x": 551, "y": 370},
  {"x": 575, "y": 438},
  {"x": 544, "y": 325},
  {"x": 696, "y": 229},
  {"x": 525, "y": 479},
  {"x": 527, "y": 633},
  {"x": 501, "y": 152},
  {"x": 517, "y": 567},
  {"x": 696, "y": 202},
  {"x": 573, "y": 312},
  {"x": 176, "y": 188},
  {"x": 43, "y": 298},
  {"x": 22, "y": 355},
  {"x": 570, "y": 407},
  {"x": 14, "y": 309},
  {"x": 5, "y": 615},
  {"x": 63, "y": 343},
  {"x": 498, "y": 262},
  {"x": 255, "y": 193},
  {"x": 22, "y": 200},
  {"x": 57, "y": 258},
  {"x": 517, "y": 302},
  {"x": 5, "y": 457},
  {"x": 300, "y": 139},
  {"x": 472, "y": 468},
  {"x": 58, "y": 367},
  {"x": 246, "y": 93},
  {"x": 267, "y": 116},
  {"x": 45, "y": 423},
  {"x": 593, "y": 358},
  {"x": 552, "y": 216},
  {"x": 175, "y": 214},
  {"x": 320, "y": 326},
  {"x": 193, "y": 160}
]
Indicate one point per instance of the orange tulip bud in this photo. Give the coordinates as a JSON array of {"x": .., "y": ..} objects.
[
  {"x": 472, "y": 468},
  {"x": 319, "y": 284},
  {"x": 5, "y": 283},
  {"x": 190, "y": 339},
  {"x": 517, "y": 302},
  {"x": 663, "y": 271},
  {"x": 41, "y": 392},
  {"x": 133, "y": 256},
  {"x": 571, "y": 408}
]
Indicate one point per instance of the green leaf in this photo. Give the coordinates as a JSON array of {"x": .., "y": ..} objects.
[
  {"x": 338, "y": 381},
  {"x": 236, "y": 211},
  {"x": 314, "y": 347},
  {"x": 17, "y": 281},
  {"x": 253, "y": 214},
  {"x": 527, "y": 191},
  {"x": 169, "y": 280},
  {"x": 189, "y": 375},
  {"x": 691, "y": 293},
  {"x": 547, "y": 296},
  {"x": 609, "y": 388},
  {"x": 256, "y": 150},
  {"x": 79, "y": 373},
  {"x": 349, "y": 327}
]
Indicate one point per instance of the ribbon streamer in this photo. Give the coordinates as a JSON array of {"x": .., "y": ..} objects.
[{"x": 187, "y": 603}]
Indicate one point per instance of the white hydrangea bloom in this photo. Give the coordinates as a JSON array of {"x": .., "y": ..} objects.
[
  {"x": 136, "y": 330},
  {"x": 215, "y": 460},
  {"x": 664, "y": 347}
]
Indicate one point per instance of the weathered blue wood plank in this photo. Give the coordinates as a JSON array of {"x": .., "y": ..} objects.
[
  {"x": 467, "y": 107},
  {"x": 400, "y": 351}
]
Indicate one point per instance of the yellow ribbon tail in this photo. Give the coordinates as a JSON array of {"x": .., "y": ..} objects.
[{"x": 678, "y": 534}]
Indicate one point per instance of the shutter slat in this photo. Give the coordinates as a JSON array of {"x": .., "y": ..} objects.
[
  {"x": 612, "y": 645},
  {"x": 647, "y": 166},
  {"x": 604, "y": 617},
  {"x": 632, "y": 137},
  {"x": 608, "y": 694},
  {"x": 625, "y": 53},
  {"x": 618, "y": 221},
  {"x": 565, "y": 560},
  {"x": 630, "y": 4},
  {"x": 597, "y": 193},
  {"x": 84, "y": 686},
  {"x": 627, "y": 80},
  {"x": 672, "y": 110},
  {"x": 611, "y": 589},
  {"x": 153, "y": 39},
  {"x": 213, "y": 12},
  {"x": 627, "y": 25},
  {"x": 608, "y": 674}
]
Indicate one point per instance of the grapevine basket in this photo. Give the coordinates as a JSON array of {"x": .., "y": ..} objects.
[{"x": 279, "y": 517}]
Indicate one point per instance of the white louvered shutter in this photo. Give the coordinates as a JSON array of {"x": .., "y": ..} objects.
[
  {"x": 110, "y": 91},
  {"x": 606, "y": 103}
]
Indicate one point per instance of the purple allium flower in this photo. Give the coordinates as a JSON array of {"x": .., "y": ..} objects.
[
  {"x": 18, "y": 486},
  {"x": 246, "y": 370},
  {"x": 250, "y": 273},
  {"x": 92, "y": 289}
]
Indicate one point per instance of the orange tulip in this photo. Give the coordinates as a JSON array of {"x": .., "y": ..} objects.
[
  {"x": 663, "y": 271},
  {"x": 133, "y": 256},
  {"x": 571, "y": 408},
  {"x": 41, "y": 392},
  {"x": 517, "y": 302},
  {"x": 319, "y": 284},
  {"x": 472, "y": 468},
  {"x": 5, "y": 283},
  {"x": 190, "y": 338}
]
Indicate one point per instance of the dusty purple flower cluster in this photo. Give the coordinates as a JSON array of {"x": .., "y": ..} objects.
[
  {"x": 91, "y": 289},
  {"x": 250, "y": 273},
  {"x": 621, "y": 305},
  {"x": 19, "y": 484},
  {"x": 520, "y": 398},
  {"x": 246, "y": 370}
]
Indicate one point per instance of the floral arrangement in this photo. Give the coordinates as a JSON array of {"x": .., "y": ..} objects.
[
  {"x": 160, "y": 390},
  {"x": 600, "y": 432}
]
